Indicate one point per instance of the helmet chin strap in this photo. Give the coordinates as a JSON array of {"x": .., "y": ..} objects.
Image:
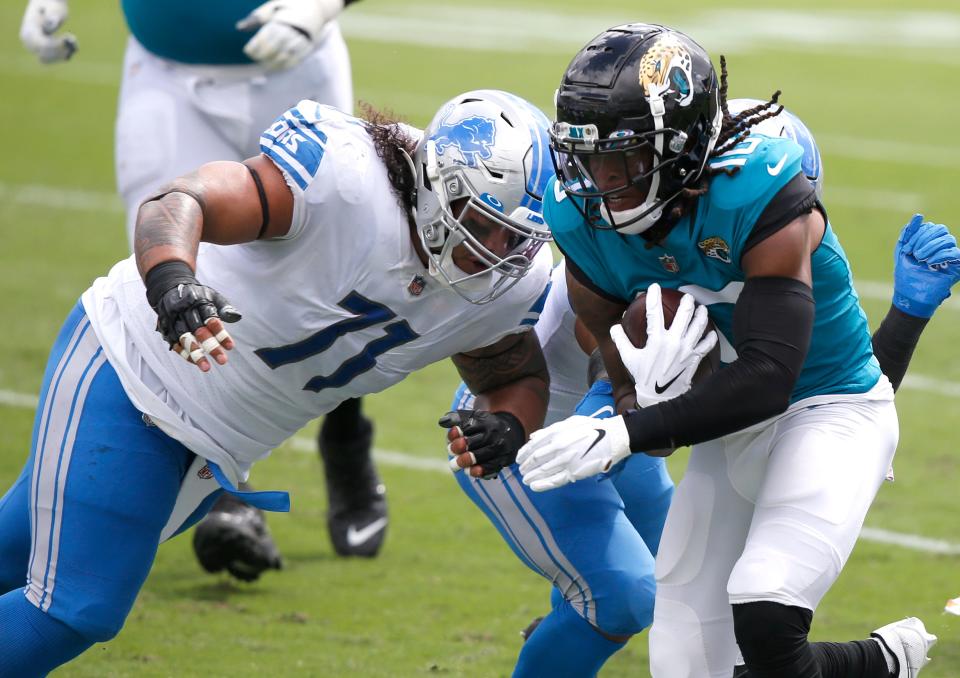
[{"x": 613, "y": 217}]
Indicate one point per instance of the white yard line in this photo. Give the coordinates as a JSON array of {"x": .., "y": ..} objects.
[
  {"x": 61, "y": 197},
  {"x": 914, "y": 542},
  {"x": 511, "y": 29},
  {"x": 923, "y": 37}
]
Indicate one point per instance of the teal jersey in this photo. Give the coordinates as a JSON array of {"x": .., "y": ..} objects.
[
  {"x": 701, "y": 256},
  {"x": 191, "y": 31}
]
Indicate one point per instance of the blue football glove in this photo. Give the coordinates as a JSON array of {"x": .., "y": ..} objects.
[{"x": 926, "y": 264}]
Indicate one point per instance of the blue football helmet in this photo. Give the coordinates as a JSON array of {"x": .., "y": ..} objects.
[{"x": 786, "y": 124}]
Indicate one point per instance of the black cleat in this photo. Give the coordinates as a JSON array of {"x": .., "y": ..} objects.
[
  {"x": 531, "y": 627},
  {"x": 357, "y": 502},
  {"x": 234, "y": 536}
]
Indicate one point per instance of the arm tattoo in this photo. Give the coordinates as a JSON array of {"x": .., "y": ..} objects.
[
  {"x": 509, "y": 360},
  {"x": 169, "y": 225}
]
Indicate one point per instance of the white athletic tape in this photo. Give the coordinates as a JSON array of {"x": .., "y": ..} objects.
[
  {"x": 210, "y": 344},
  {"x": 185, "y": 354},
  {"x": 454, "y": 466},
  {"x": 196, "y": 355},
  {"x": 187, "y": 340},
  {"x": 222, "y": 336}
]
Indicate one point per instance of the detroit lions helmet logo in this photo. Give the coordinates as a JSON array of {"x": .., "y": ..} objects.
[
  {"x": 667, "y": 70},
  {"x": 472, "y": 137}
]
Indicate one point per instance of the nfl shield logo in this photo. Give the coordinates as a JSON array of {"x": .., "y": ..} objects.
[
  {"x": 416, "y": 285},
  {"x": 669, "y": 262}
]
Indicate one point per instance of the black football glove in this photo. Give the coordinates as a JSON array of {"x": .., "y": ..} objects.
[
  {"x": 494, "y": 438},
  {"x": 182, "y": 304}
]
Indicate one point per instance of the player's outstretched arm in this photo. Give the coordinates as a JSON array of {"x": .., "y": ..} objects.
[
  {"x": 512, "y": 385},
  {"x": 926, "y": 265},
  {"x": 224, "y": 203}
]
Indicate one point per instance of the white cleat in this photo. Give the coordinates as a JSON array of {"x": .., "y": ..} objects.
[{"x": 908, "y": 642}]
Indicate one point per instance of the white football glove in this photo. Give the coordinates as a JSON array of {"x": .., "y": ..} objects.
[
  {"x": 288, "y": 31},
  {"x": 572, "y": 449},
  {"x": 664, "y": 367},
  {"x": 41, "y": 20}
]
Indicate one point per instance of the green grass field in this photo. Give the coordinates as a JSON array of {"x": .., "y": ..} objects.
[{"x": 876, "y": 84}]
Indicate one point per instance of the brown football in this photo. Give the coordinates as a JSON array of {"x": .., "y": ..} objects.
[{"x": 634, "y": 323}]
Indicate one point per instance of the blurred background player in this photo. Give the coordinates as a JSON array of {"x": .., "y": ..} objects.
[
  {"x": 663, "y": 184},
  {"x": 595, "y": 540},
  {"x": 200, "y": 82},
  {"x": 354, "y": 266}
]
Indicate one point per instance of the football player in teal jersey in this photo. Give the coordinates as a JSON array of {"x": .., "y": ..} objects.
[
  {"x": 200, "y": 82},
  {"x": 600, "y": 565},
  {"x": 660, "y": 185}
]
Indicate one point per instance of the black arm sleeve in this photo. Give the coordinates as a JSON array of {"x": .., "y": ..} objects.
[
  {"x": 795, "y": 198},
  {"x": 894, "y": 342},
  {"x": 772, "y": 325}
]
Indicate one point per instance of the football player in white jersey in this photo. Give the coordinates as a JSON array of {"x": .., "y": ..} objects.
[
  {"x": 357, "y": 252},
  {"x": 200, "y": 81}
]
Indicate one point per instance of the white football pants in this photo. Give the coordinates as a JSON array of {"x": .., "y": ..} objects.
[
  {"x": 770, "y": 513},
  {"x": 174, "y": 117}
]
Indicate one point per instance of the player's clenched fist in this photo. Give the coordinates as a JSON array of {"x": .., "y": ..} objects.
[
  {"x": 190, "y": 316},
  {"x": 484, "y": 442},
  {"x": 41, "y": 20}
]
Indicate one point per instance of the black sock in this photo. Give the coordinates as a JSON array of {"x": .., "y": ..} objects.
[
  {"x": 345, "y": 422},
  {"x": 856, "y": 659}
]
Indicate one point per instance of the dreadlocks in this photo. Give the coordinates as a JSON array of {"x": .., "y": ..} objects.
[
  {"x": 395, "y": 147},
  {"x": 733, "y": 130}
]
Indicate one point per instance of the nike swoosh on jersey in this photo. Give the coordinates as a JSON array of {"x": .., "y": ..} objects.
[
  {"x": 600, "y": 433},
  {"x": 660, "y": 389},
  {"x": 356, "y": 537},
  {"x": 774, "y": 170}
]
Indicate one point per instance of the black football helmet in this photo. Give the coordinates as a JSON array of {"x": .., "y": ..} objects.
[{"x": 638, "y": 114}]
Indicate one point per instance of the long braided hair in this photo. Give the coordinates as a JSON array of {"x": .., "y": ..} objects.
[
  {"x": 733, "y": 130},
  {"x": 394, "y": 147}
]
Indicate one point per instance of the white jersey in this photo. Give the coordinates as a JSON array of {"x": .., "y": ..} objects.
[
  {"x": 566, "y": 361},
  {"x": 329, "y": 312}
]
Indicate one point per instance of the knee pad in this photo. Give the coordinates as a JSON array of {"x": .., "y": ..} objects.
[
  {"x": 786, "y": 562},
  {"x": 626, "y": 605},
  {"x": 680, "y": 643},
  {"x": 773, "y": 637},
  {"x": 683, "y": 546}
]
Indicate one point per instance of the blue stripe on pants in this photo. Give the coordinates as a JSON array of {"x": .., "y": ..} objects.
[{"x": 582, "y": 537}]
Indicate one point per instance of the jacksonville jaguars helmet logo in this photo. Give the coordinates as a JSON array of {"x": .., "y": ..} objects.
[
  {"x": 666, "y": 70},
  {"x": 715, "y": 248},
  {"x": 472, "y": 137}
]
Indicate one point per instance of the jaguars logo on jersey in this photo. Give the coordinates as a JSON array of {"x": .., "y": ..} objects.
[
  {"x": 715, "y": 248},
  {"x": 667, "y": 69}
]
